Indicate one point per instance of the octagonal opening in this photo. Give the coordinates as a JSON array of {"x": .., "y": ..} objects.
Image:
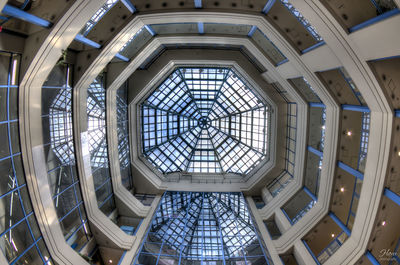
[{"x": 206, "y": 120}]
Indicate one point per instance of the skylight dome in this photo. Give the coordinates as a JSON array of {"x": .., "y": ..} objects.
[{"x": 204, "y": 120}]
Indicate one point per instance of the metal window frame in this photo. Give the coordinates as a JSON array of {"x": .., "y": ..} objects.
[{"x": 12, "y": 156}]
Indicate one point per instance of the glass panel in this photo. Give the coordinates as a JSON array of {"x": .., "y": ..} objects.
[
  {"x": 96, "y": 114},
  {"x": 202, "y": 226},
  {"x": 123, "y": 136},
  {"x": 97, "y": 16},
  {"x": 16, "y": 241},
  {"x": 16, "y": 210},
  {"x": 205, "y": 120},
  {"x": 59, "y": 152}
]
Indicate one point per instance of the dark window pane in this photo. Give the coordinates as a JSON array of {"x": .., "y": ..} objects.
[
  {"x": 14, "y": 133},
  {"x": 4, "y": 148},
  {"x": 4, "y": 66},
  {"x": 3, "y": 103},
  {"x": 13, "y": 107}
]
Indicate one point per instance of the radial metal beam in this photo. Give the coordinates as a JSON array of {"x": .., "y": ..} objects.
[
  {"x": 252, "y": 31},
  {"x": 316, "y": 105},
  {"x": 355, "y": 108},
  {"x": 198, "y": 4},
  {"x": 393, "y": 196},
  {"x": 200, "y": 26},
  {"x": 128, "y": 4},
  {"x": 339, "y": 223},
  {"x": 150, "y": 30},
  {"x": 25, "y": 16},
  {"x": 350, "y": 170},
  {"x": 315, "y": 151},
  {"x": 268, "y": 6},
  {"x": 309, "y": 193},
  {"x": 371, "y": 258},
  {"x": 86, "y": 41}
]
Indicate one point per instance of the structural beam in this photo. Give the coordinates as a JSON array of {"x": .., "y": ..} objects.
[
  {"x": 316, "y": 105},
  {"x": 375, "y": 20},
  {"x": 282, "y": 62},
  {"x": 355, "y": 108},
  {"x": 25, "y": 16},
  {"x": 150, "y": 30},
  {"x": 309, "y": 250},
  {"x": 200, "y": 26},
  {"x": 121, "y": 57},
  {"x": 339, "y": 223},
  {"x": 252, "y": 31},
  {"x": 309, "y": 193},
  {"x": 128, "y": 4},
  {"x": 86, "y": 41},
  {"x": 350, "y": 170},
  {"x": 371, "y": 258},
  {"x": 313, "y": 47},
  {"x": 198, "y": 4},
  {"x": 315, "y": 151},
  {"x": 393, "y": 196},
  {"x": 268, "y": 6}
]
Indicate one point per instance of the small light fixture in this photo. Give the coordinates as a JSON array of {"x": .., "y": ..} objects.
[
  {"x": 333, "y": 235},
  {"x": 323, "y": 127},
  {"x": 110, "y": 261},
  {"x": 383, "y": 223},
  {"x": 342, "y": 189},
  {"x": 349, "y": 133},
  {"x": 398, "y": 153}
]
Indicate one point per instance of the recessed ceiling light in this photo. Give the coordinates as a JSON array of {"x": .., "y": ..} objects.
[
  {"x": 349, "y": 133},
  {"x": 383, "y": 223},
  {"x": 110, "y": 261},
  {"x": 342, "y": 189},
  {"x": 333, "y": 235}
]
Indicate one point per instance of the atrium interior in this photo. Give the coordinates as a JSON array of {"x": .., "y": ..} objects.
[{"x": 199, "y": 132}]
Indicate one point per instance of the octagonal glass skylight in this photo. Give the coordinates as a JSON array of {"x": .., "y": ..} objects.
[{"x": 204, "y": 120}]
